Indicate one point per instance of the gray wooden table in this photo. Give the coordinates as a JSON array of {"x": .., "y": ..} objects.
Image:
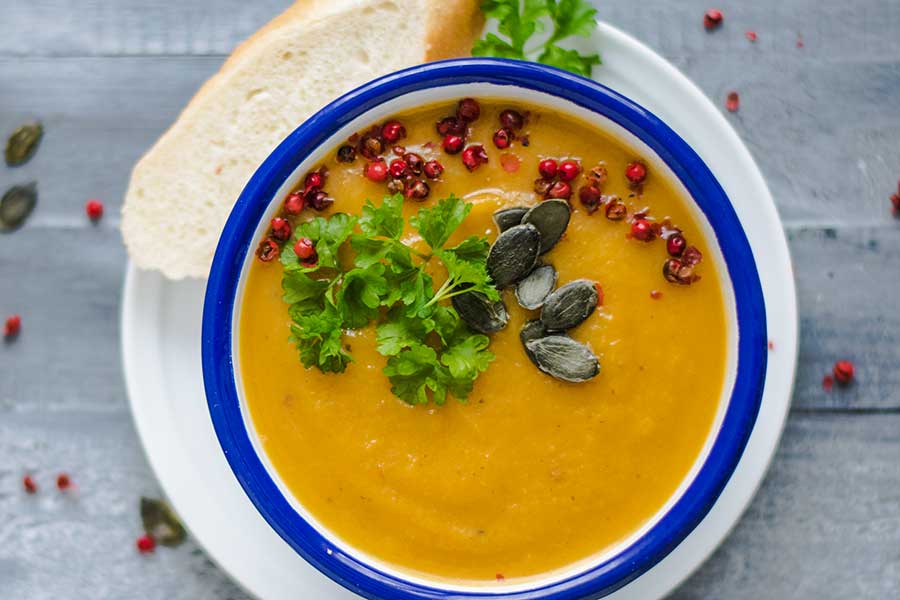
[{"x": 107, "y": 76}]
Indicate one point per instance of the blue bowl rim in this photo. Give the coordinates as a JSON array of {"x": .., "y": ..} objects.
[{"x": 237, "y": 239}]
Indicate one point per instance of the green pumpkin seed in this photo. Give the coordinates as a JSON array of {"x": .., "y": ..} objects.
[
  {"x": 16, "y": 205},
  {"x": 23, "y": 143},
  {"x": 160, "y": 522}
]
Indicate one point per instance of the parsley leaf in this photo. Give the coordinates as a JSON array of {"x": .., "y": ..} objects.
[
  {"x": 413, "y": 372},
  {"x": 326, "y": 234},
  {"x": 519, "y": 21},
  {"x": 446, "y": 323},
  {"x": 360, "y": 295},
  {"x": 401, "y": 331},
  {"x": 569, "y": 60},
  {"x": 571, "y": 17},
  {"x": 317, "y": 336},
  {"x": 300, "y": 288},
  {"x": 465, "y": 262},
  {"x": 516, "y": 21},
  {"x": 435, "y": 224},
  {"x": 431, "y": 354},
  {"x": 416, "y": 371},
  {"x": 368, "y": 251},
  {"x": 492, "y": 45},
  {"x": 472, "y": 248},
  {"x": 415, "y": 368},
  {"x": 468, "y": 357},
  {"x": 385, "y": 220},
  {"x": 465, "y": 275},
  {"x": 412, "y": 287}
]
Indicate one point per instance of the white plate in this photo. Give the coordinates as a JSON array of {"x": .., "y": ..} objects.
[{"x": 161, "y": 355}]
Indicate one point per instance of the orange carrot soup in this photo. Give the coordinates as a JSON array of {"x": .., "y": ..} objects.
[{"x": 482, "y": 339}]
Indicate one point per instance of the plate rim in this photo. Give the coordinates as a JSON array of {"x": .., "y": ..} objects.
[
  {"x": 237, "y": 241},
  {"x": 788, "y": 342}
]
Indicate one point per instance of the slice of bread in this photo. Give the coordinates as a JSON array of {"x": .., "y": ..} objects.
[{"x": 183, "y": 189}]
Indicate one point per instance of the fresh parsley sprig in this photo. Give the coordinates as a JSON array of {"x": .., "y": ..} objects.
[
  {"x": 431, "y": 353},
  {"x": 520, "y": 20}
]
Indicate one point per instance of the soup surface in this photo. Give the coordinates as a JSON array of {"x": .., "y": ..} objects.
[{"x": 531, "y": 474}]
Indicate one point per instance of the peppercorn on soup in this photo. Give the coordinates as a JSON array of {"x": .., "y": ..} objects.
[{"x": 480, "y": 342}]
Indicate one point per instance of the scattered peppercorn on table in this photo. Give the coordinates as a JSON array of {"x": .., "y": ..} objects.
[{"x": 106, "y": 78}]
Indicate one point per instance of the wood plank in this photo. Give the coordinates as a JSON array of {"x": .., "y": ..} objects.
[
  {"x": 826, "y": 522},
  {"x": 100, "y": 115},
  {"x": 862, "y": 31},
  {"x": 106, "y": 76},
  {"x": 68, "y": 354},
  {"x": 830, "y": 499},
  {"x": 130, "y": 27},
  {"x": 95, "y": 133},
  {"x": 835, "y": 32},
  {"x": 847, "y": 282},
  {"x": 823, "y": 133},
  {"x": 66, "y": 284},
  {"x": 108, "y": 111},
  {"x": 81, "y": 544}
]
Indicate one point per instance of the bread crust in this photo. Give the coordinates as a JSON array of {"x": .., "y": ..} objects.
[{"x": 451, "y": 27}]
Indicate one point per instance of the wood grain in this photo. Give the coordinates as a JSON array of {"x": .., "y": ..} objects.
[
  {"x": 826, "y": 523},
  {"x": 131, "y": 27},
  {"x": 108, "y": 76},
  {"x": 841, "y": 317},
  {"x": 81, "y": 544},
  {"x": 844, "y": 181}
]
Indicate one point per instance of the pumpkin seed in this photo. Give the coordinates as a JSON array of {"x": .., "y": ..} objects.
[
  {"x": 509, "y": 217},
  {"x": 161, "y": 522},
  {"x": 23, "y": 143},
  {"x": 531, "y": 330},
  {"x": 534, "y": 289},
  {"x": 479, "y": 313},
  {"x": 570, "y": 305},
  {"x": 563, "y": 358},
  {"x": 513, "y": 254},
  {"x": 551, "y": 217},
  {"x": 16, "y": 205}
]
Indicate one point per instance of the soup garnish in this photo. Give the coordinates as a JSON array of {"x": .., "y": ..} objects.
[
  {"x": 436, "y": 348},
  {"x": 433, "y": 349},
  {"x": 550, "y": 459}
]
